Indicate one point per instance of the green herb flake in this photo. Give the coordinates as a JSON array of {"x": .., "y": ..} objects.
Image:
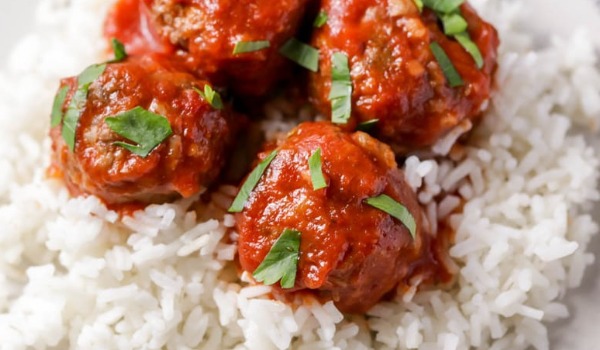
[
  {"x": 465, "y": 41},
  {"x": 321, "y": 19},
  {"x": 367, "y": 126},
  {"x": 454, "y": 23},
  {"x": 316, "y": 170},
  {"x": 281, "y": 263},
  {"x": 78, "y": 101},
  {"x": 446, "y": 65},
  {"x": 210, "y": 96},
  {"x": 90, "y": 74},
  {"x": 71, "y": 117},
  {"x": 387, "y": 204},
  {"x": 341, "y": 89},
  {"x": 119, "y": 50},
  {"x": 419, "y": 4},
  {"x": 443, "y": 6},
  {"x": 57, "y": 106},
  {"x": 301, "y": 53},
  {"x": 250, "y": 46},
  {"x": 142, "y": 127},
  {"x": 250, "y": 183}
]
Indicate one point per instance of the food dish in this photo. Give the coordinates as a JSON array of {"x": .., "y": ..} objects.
[{"x": 67, "y": 254}]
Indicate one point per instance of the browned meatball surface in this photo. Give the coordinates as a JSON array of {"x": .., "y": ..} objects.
[
  {"x": 181, "y": 165},
  {"x": 350, "y": 252},
  {"x": 206, "y": 33},
  {"x": 396, "y": 78}
]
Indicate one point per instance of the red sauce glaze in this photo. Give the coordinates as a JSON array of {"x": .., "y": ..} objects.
[
  {"x": 205, "y": 33},
  {"x": 350, "y": 252},
  {"x": 130, "y": 21},
  {"x": 190, "y": 159},
  {"x": 395, "y": 77}
]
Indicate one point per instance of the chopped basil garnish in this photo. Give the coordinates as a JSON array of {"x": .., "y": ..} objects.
[
  {"x": 210, "y": 96},
  {"x": 320, "y": 20},
  {"x": 281, "y": 263},
  {"x": 250, "y": 183},
  {"x": 143, "y": 127},
  {"x": 443, "y": 6},
  {"x": 367, "y": 126},
  {"x": 71, "y": 118},
  {"x": 419, "y": 4},
  {"x": 57, "y": 106},
  {"x": 316, "y": 170},
  {"x": 250, "y": 46},
  {"x": 446, "y": 65},
  {"x": 400, "y": 212},
  {"x": 119, "y": 50},
  {"x": 74, "y": 109},
  {"x": 305, "y": 55},
  {"x": 453, "y": 23},
  {"x": 465, "y": 41},
  {"x": 341, "y": 89},
  {"x": 90, "y": 74}
]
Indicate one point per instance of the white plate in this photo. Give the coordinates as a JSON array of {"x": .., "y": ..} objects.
[
  {"x": 581, "y": 330},
  {"x": 15, "y": 19}
]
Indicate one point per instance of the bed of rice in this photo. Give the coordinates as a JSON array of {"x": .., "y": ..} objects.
[{"x": 72, "y": 275}]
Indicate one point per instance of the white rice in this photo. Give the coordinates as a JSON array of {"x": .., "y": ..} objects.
[{"x": 74, "y": 276}]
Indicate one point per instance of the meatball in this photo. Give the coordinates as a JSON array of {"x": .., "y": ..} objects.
[
  {"x": 181, "y": 165},
  {"x": 395, "y": 76},
  {"x": 350, "y": 252},
  {"x": 207, "y": 33}
]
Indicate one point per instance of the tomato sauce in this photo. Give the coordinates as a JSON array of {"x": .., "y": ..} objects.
[
  {"x": 395, "y": 77},
  {"x": 130, "y": 22},
  {"x": 350, "y": 252}
]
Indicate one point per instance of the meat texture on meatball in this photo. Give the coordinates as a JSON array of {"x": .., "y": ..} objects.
[
  {"x": 206, "y": 33},
  {"x": 180, "y": 165},
  {"x": 350, "y": 252},
  {"x": 396, "y": 78}
]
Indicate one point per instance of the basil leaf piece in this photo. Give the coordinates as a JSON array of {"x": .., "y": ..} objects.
[
  {"x": 465, "y": 41},
  {"x": 210, "y": 96},
  {"x": 250, "y": 46},
  {"x": 143, "y": 127},
  {"x": 57, "y": 106},
  {"x": 90, "y": 74},
  {"x": 72, "y": 115},
  {"x": 250, "y": 183},
  {"x": 443, "y": 6},
  {"x": 387, "y": 204},
  {"x": 78, "y": 101},
  {"x": 321, "y": 19},
  {"x": 281, "y": 263},
  {"x": 419, "y": 4},
  {"x": 367, "y": 126},
  {"x": 341, "y": 89},
  {"x": 316, "y": 170},
  {"x": 301, "y": 53},
  {"x": 454, "y": 23},
  {"x": 446, "y": 65},
  {"x": 119, "y": 51}
]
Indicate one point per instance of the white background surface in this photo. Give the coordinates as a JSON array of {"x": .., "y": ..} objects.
[{"x": 582, "y": 330}]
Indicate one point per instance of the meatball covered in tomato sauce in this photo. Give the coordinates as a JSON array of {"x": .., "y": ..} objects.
[
  {"x": 395, "y": 76},
  {"x": 234, "y": 43},
  {"x": 138, "y": 131},
  {"x": 350, "y": 252}
]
